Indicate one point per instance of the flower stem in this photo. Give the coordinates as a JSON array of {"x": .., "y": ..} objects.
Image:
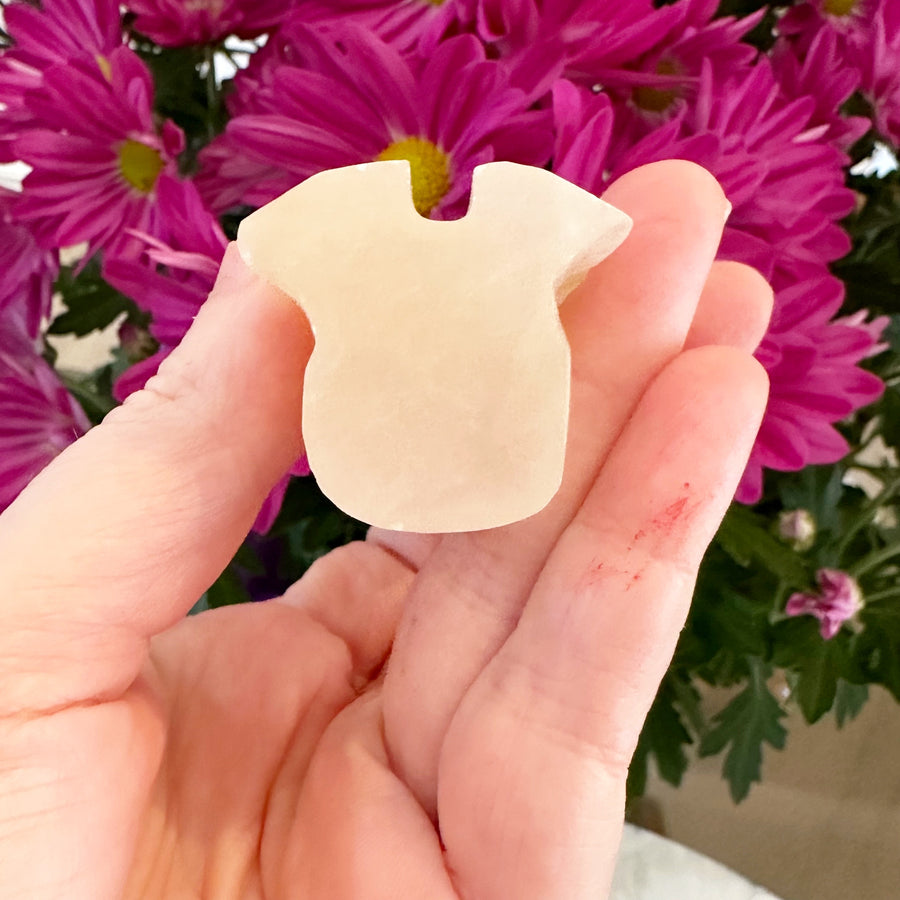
[
  {"x": 889, "y": 594},
  {"x": 866, "y": 513},
  {"x": 873, "y": 560}
]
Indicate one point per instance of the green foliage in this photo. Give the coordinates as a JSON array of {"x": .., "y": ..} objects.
[
  {"x": 849, "y": 701},
  {"x": 664, "y": 736},
  {"x": 750, "y": 720},
  {"x": 91, "y": 303},
  {"x": 747, "y": 538}
]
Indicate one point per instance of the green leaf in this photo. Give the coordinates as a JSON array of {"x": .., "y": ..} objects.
[
  {"x": 818, "y": 663},
  {"x": 663, "y": 737},
  {"x": 876, "y": 650},
  {"x": 228, "y": 590},
  {"x": 890, "y": 423},
  {"x": 849, "y": 701},
  {"x": 746, "y": 537},
  {"x": 750, "y": 720},
  {"x": 91, "y": 303}
]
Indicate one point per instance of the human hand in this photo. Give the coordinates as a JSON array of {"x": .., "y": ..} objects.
[{"x": 261, "y": 751}]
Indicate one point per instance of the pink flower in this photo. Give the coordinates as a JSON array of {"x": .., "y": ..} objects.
[
  {"x": 866, "y": 36},
  {"x": 668, "y": 71},
  {"x": 56, "y": 33},
  {"x": 357, "y": 100},
  {"x": 788, "y": 190},
  {"x": 38, "y": 417},
  {"x": 815, "y": 380},
  {"x": 26, "y": 271},
  {"x": 838, "y": 601},
  {"x": 878, "y": 60},
  {"x": 409, "y": 25},
  {"x": 171, "y": 278},
  {"x": 823, "y": 74},
  {"x": 96, "y": 153},
  {"x": 174, "y": 23}
]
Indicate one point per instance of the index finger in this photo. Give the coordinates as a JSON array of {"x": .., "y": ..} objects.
[{"x": 120, "y": 535}]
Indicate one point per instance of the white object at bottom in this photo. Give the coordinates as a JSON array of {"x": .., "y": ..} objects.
[{"x": 651, "y": 867}]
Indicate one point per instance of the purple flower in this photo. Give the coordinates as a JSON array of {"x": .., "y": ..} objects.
[
  {"x": 26, "y": 271},
  {"x": 358, "y": 100},
  {"x": 174, "y": 23},
  {"x": 823, "y": 74},
  {"x": 409, "y": 25},
  {"x": 56, "y": 33},
  {"x": 96, "y": 153},
  {"x": 838, "y": 601},
  {"x": 866, "y": 37},
  {"x": 38, "y": 417},
  {"x": 170, "y": 278},
  {"x": 787, "y": 188}
]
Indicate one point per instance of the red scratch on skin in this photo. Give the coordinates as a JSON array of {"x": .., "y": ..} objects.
[
  {"x": 593, "y": 575},
  {"x": 634, "y": 578},
  {"x": 668, "y": 518}
]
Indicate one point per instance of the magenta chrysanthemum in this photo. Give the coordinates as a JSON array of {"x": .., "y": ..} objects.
[
  {"x": 823, "y": 75},
  {"x": 358, "y": 100},
  {"x": 174, "y": 23},
  {"x": 171, "y": 277},
  {"x": 787, "y": 188},
  {"x": 56, "y": 33},
  {"x": 26, "y": 271},
  {"x": 96, "y": 152},
  {"x": 38, "y": 417},
  {"x": 409, "y": 25}
]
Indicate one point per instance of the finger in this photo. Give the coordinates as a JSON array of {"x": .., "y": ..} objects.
[
  {"x": 734, "y": 308},
  {"x": 623, "y": 324},
  {"x": 357, "y": 592},
  {"x": 540, "y": 746},
  {"x": 116, "y": 539},
  {"x": 356, "y": 830}
]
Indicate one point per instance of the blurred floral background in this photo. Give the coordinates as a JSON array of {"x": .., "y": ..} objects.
[{"x": 146, "y": 130}]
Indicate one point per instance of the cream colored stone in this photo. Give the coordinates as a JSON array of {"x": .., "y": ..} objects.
[{"x": 437, "y": 396}]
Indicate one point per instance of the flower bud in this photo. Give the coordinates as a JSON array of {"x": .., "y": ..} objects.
[{"x": 797, "y": 527}]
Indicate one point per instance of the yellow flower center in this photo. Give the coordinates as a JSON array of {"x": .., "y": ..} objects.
[
  {"x": 840, "y": 7},
  {"x": 430, "y": 168},
  {"x": 657, "y": 99},
  {"x": 105, "y": 67},
  {"x": 140, "y": 165}
]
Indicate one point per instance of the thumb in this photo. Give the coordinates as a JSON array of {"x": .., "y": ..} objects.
[{"x": 115, "y": 540}]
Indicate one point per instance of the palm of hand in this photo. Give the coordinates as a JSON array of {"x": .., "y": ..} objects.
[{"x": 261, "y": 751}]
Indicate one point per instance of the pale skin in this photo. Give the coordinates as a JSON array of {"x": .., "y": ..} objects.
[{"x": 429, "y": 717}]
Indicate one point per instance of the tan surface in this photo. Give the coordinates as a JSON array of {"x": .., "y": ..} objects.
[
  {"x": 437, "y": 396},
  {"x": 825, "y": 822}
]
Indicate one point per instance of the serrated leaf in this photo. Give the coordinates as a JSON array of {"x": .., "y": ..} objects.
[
  {"x": 663, "y": 737},
  {"x": 750, "y": 720}
]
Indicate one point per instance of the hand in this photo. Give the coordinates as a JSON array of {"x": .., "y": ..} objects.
[{"x": 261, "y": 751}]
